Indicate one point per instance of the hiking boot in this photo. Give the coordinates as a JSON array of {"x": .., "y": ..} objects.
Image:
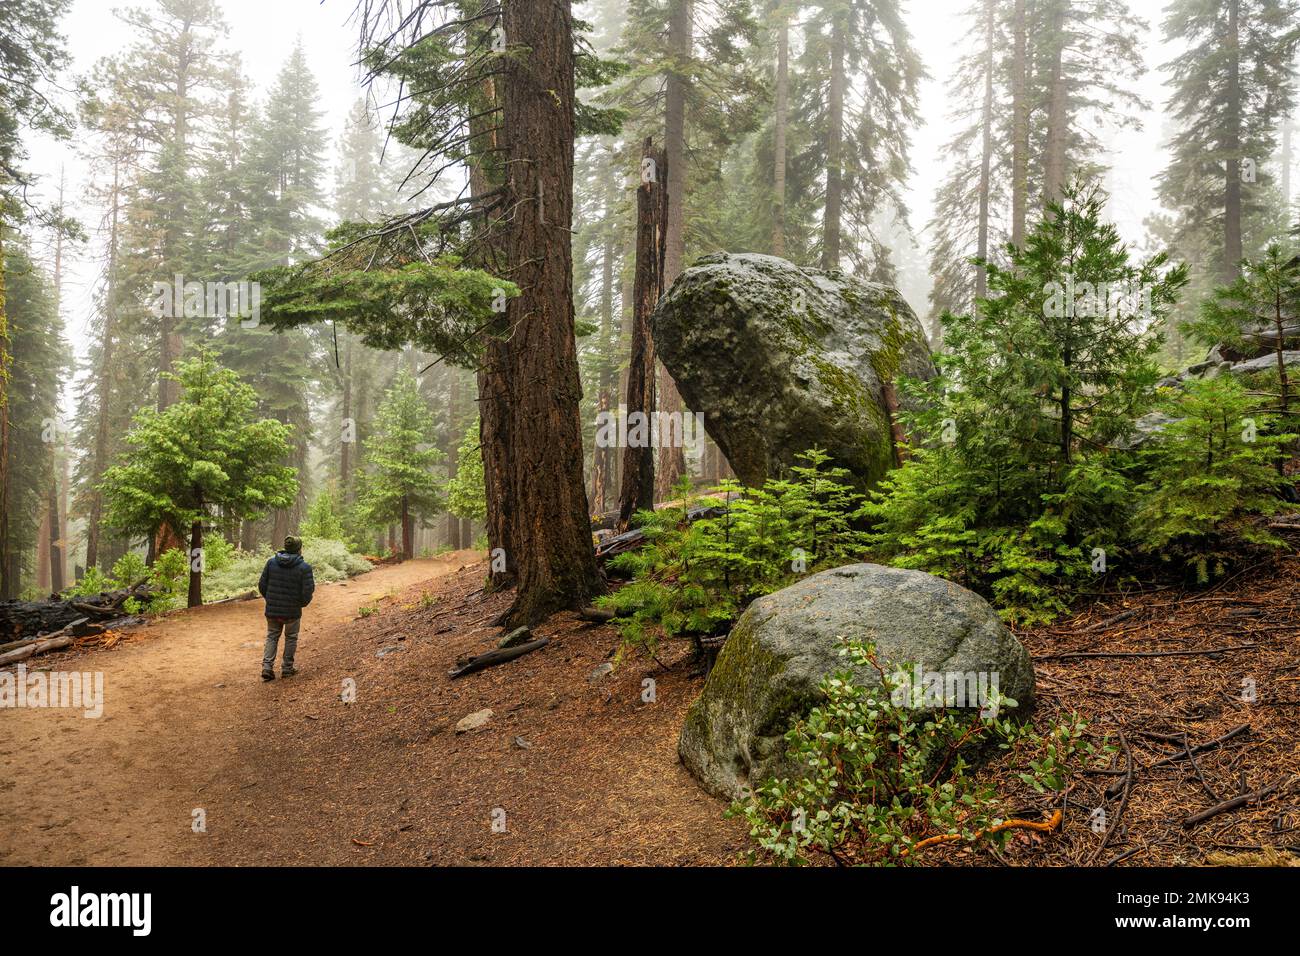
[
  {"x": 288, "y": 670},
  {"x": 268, "y": 674}
]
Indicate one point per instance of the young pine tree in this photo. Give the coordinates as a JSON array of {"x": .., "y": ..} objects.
[
  {"x": 399, "y": 483},
  {"x": 1259, "y": 310},
  {"x": 1022, "y": 478},
  {"x": 1211, "y": 476},
  {"x": 465, "y": 493}
]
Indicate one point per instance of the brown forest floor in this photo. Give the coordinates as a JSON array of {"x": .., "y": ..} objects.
[
  {"x": 1151, "y": 702},
  {"x": 585, "y": 773},
  {"x": 287, "y": 773}
]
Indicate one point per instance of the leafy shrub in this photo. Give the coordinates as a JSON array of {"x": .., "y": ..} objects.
[
  {"x": 93, "y": 582},
  {"x": 883, "y": 775},
  {"x": 696, "y": 577},
  {"x": 330, "y": 560}
]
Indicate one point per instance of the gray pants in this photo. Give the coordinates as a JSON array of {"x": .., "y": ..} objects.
[{"x": 290, "y": 626}]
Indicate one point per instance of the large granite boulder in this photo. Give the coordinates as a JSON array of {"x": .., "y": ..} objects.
[
  {"x": 768, "y": 671},
  {"x": 779, "y": 359}
]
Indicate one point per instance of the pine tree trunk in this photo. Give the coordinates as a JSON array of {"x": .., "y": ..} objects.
[
  {"x": 65, "y": 542},
  {"x": 407, "y": 542},
  {"x": 986, "y": 158},
  {"x": 834, "y": 150},
  {"x": 602, "y": 458},
  {"x": 451, "y": 448},
  {"x": 672, "y": 460},
  {"x": 43, "y": 539},
  {"x": 1054, "y": 160},
  {"x": 1019, "y": 126},
  {"x": 782, "y": 108},
  {"x": 493, "y": 391},
  {"x": 8, "y": 585},
  {"x": 55, "y": 543},
  {"x": 637, "y": 491},
  {"x": 1288, "y": 128},
  {"x": 349, "y": 427},
  {"x": 1232, "y": 250},
  {"x": 104, "y": 377},
  {"x": 195, "y": 597},
  {"x": 551, "y": 528}
]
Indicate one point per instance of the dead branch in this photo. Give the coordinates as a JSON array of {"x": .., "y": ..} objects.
[{"x": 499, "y": 656}]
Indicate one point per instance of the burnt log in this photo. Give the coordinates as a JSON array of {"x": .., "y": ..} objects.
[{"x": 20, "y": 620}]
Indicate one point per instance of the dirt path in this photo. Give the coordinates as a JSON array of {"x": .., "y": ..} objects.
[{"x": 183, "y": 702}]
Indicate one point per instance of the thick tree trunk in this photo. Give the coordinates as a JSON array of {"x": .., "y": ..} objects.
[
  {"x": 1019, "y": 125},
  {"x": 834, "y": 150},
  {"x": 553, "y": 548},
  {"x": 637, "y": 491},
  {"x": 493, "y": 391}
]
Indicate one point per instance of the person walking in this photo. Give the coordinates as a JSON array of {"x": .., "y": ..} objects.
[{"x": 287, "y": 585}]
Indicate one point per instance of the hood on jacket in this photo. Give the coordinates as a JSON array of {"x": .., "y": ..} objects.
[{"x": 287, "y": 559}]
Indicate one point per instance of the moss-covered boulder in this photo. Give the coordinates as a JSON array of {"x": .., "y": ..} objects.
[
  {"x": 769, "y": 670},
  {"x": 779, "y": 359}
]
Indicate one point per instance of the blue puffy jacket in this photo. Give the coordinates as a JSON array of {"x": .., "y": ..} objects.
[{"x": 287, "y": 584}]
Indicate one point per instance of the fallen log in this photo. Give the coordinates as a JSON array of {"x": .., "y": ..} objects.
[
  {"x": 20, "y": 620},
  {"x": 498, "y": 656},
  {"x": 630, "y": 540},
  {"x": 51, "y": 642}
]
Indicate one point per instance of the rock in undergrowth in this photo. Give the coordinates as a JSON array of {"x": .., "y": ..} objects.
[
  {"x": 779, "y": 359},
  {"x": 768, "y": 671}
]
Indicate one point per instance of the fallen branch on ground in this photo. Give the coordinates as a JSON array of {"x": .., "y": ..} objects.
[
  {"x": 1126, "y": 785},
  {"x": 499, "y": 656},
  {"x": 1183, "y": 754},
  {"x": 1238, "y": 801},
  {"x": 1074, "y": 655}
]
